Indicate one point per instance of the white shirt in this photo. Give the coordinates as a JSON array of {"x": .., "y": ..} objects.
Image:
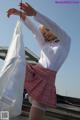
[{"x": 53, "y": 54}]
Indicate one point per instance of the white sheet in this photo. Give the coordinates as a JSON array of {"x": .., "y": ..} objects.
[{"x": 12, "y": 75}]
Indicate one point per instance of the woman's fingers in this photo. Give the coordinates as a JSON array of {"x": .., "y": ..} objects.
[
  {"x": 23, "y": 6},
  {"x": 27, "y": 4},
  {"x": 27, "y": 9},
  {"x": 10, "y": 12}
]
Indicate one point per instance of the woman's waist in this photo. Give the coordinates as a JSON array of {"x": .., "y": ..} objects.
[
  {"x": 50, "y": 66},
  {"x": 39, "y": 68}
]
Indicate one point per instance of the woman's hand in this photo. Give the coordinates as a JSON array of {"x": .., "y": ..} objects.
[
  {"x": 27, "y": 9},
  {"x": 14, "y": 11}
]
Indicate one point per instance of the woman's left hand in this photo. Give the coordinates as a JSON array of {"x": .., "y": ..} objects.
[
  {"x": 14, "y": 11},
  {"x": 11, "y": 11}
]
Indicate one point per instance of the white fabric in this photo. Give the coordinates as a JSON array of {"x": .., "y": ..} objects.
[
  {"x": 52, "y": 54},
  {"x": 12, "y": 75},
  {"x": 35, "y": 31}
]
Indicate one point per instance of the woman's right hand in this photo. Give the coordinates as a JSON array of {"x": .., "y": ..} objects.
[{"x": 28, "y": 9}]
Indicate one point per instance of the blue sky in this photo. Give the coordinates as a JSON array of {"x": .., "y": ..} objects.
[{"x": 65, "y": 15}]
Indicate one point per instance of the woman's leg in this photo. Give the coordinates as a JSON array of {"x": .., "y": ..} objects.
[
  {"x": 36, "y": 114},
  {"x": 37, "y": 110}
]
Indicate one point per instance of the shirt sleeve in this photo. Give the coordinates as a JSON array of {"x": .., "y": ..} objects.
[
  {"x": 59, "y": 32},
  {"x": 35, "y": 30}
]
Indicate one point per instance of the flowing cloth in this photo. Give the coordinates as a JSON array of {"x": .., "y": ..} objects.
[
  {"x": 40, "y": 84},
  {"x": 12, "y": 75}
]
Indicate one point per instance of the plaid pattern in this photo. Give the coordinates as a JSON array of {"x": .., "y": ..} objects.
[{"x": 40, "y": 84}]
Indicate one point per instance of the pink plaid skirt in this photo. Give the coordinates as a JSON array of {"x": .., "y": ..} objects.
[{"x": 40, "y": 84}]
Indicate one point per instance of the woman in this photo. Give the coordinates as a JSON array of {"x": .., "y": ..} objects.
[{"x": 40, "y": 78}]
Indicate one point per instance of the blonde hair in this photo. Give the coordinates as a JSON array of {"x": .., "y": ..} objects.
[{"x": 47, "y": 34}]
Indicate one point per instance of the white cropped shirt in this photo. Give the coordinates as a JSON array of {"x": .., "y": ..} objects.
[{"x": 53, "y": 54}]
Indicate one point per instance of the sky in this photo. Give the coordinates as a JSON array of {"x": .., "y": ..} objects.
[{"x": 66, "y": 16}]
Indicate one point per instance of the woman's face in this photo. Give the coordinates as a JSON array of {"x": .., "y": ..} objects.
[{"x": 48, "y": 35}]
